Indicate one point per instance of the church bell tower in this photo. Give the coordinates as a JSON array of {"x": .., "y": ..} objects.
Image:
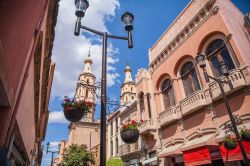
[
  {"x": 84, "y": 91},
  {"x": 128, "y": 92}
]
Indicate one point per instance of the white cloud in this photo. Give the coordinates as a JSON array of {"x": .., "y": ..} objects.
[
  {"x": 69, "y": 50},
  {"x": 57, "y": 117}
]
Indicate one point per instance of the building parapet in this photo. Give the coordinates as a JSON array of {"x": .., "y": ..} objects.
[
  {"x": 169, "y": 115},
  {"x": 147, "y": 126},
  {"x": 195, "y": 101},
  {"x": 186, "y": 23},
  {"x": 239, "y": 77},
  {"x": 130, "y": 151}
]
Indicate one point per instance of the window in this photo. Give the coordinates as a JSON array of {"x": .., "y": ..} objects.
[
  {"x": 87, "y": 93},
  {"x": 141, "y": 101},
  {"x": 219, "y": 53},
  {"x": 116, "y": 122},
  {"x": 247, "y": 18},
  {"x": 167, "y": 93},
  {"x": 117, "y": 148},
  {"x": 189, "y": 78},
  {"x": 111, "y": 128},
  {"x": 80, "y": 91},
  {"x": 111, "y": 149},
  {"x": 149, "y": 106},
  {"x": 87, "y": 90}
]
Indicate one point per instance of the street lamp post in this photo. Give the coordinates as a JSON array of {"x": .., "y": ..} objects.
[
  {"x": 200, "y": 58},
  {"x": 127, "y": 18},
  {"x": 52, "y": 152}
]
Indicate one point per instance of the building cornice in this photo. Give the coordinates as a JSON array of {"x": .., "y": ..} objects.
[
  {"x": 203, "y": 14},
  {"x": 113, "y": 116},
  {"x": 128, "y": 83},
  {"x": 84, "y": 124},
  {"x": 86, "y": 74},
  {"x": 133, "y": 93},
  {"x": 131, "y": 108}
]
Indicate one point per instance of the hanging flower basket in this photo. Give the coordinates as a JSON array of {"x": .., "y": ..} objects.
[
  {"x": 74, "y": 110},
  {"x": 230, "y": 143},
  {"x": 129, "y": 132},
  {"x": 245, "y": 134}
]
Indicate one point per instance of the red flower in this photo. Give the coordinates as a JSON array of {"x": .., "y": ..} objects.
[
  {"x": 67, "y": 108},
  {"x": 88, "y": 104},
  {"x": 133, "y": 122},
  {"x": 142, "y": 120}
]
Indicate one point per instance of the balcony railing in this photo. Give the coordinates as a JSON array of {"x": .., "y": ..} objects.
[
  {"x": 128, "y": 148},
  {"x": 238, "y": 77},
  {"x": 194, "y": 102},
  {"x": 147, "y": 126},
  {"x": 168, "y": 116}
]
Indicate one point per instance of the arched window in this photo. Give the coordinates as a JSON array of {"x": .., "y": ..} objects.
[
  {"x": 189, "y": 78},
  {"x": 141, "y": 101},
  {"x": 219, "y": 53},
  {"x": 87, "y": 91},
  {"x": 167, "y": 93}
]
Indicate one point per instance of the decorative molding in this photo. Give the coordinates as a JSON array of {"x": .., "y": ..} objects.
[
  {"x": 208, "y": 10},
  {"x": 201, "y": 132}
]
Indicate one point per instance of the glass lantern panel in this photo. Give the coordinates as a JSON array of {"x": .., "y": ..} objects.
[{"x": 127, "y": 20}]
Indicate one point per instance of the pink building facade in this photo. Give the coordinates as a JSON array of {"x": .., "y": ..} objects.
[
  {"x": 26, "y": 74},
  {"x": 184, "y": 115},
  {"x": 191, "y": 112}
]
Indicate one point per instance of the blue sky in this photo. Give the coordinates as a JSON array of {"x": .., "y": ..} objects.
[{"x": 152, "y": 18}]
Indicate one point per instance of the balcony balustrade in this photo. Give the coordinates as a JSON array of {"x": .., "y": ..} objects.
[
  {"x": 238, "y": 77},
  {"x": 147, "y": 126},
  {"x": 196, "y": 101},
  {"x": 126, "y": 149},
  {"x": 168, "y": 116}
]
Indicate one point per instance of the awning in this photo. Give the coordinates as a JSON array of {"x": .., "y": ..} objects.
[
  {"x": 233, "y": 155},
  {"x": 172, "y": 150},
  {"x": 197, "y": 156},
  {"x": 199, "y": 142},
  {"x": 150, "y": 160}
]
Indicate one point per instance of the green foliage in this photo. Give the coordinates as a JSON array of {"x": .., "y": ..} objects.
[
  {"x": 115, "y": 162},
  {"x": 77, "y": 155},
  {"x": 229, "y": 139},
  {"x": 245, "y": 131}
]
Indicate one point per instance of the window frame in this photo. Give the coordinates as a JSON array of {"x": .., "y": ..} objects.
[
  {"x": 180, "y": 80},
  {"x": 170, "y": 89},
  {"x": 228, "y": 47}
]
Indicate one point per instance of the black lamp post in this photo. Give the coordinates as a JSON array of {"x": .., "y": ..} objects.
[
  {"x": 200, "y": 58},
  {"x": 52, "y": 152},
  {"x": 127, "y": 18}
]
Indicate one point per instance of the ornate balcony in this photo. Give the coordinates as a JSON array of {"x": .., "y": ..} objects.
[
  {"x": 147, "y": 126},
  {"x": 129, "y": 151},
  {"x": 196, "y": 101},
  {"x": 168, "y": 116},
  {"x": 238, "y": 77}
]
